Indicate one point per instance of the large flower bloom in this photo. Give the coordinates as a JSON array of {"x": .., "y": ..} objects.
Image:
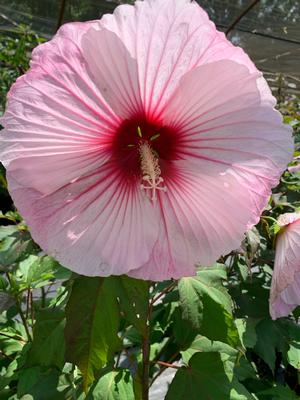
[
  {"x": 285, "y": 289},
  {"x": 142, "y": 143}
]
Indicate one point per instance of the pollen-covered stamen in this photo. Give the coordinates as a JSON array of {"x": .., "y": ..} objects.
[{"x": 151, "y": 170}]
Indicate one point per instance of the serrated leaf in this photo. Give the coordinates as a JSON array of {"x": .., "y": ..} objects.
[
  {"x": 206, "y": 376},
  {"x": 191, "y": 291},
  {"x": 206, "y": 304},
  {"x": 115, "y": 385},
  {"x": 204, "y": 345},
  {"x": 92, "y": 325}
]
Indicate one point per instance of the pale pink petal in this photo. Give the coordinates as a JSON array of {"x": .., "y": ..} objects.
[
  {"x": 233, "y": 150},
  {"x": 287, "y": 219},
  {"x": 223, "y": 49},
  {"x": 285, "y": 288},
  {"x": 167, "y": 37},
  {"x": 97, "y": 225},
  {"x": 57, "y": 124},
  {"x": 199, "y": 224},
  {"x": 197, "y": 221},
  {"x": 114, "y": 70},
  {"x": 226, "y": 130}
]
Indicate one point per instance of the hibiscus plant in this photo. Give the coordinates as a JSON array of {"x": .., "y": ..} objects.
[{"x": 150, "y": 187}]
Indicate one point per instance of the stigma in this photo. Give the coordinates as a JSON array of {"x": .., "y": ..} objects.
[{"x": 152, "y": 180}]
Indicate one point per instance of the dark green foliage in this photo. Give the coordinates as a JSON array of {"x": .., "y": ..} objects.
[
  {"x": 92, "y": 325},
  {"x": 210, "y": 377}
]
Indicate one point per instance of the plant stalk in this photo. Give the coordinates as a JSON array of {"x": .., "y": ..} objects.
[
  {"x": 146, "y": 354},
  {"x": 19, "y": 308}
]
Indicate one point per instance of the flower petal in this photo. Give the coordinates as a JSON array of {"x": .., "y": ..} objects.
[
  {"x": 114, "y": 71},
  {"x": 97, "y": 225},
  {"x": 285, "y": 288},
  {"x": 57, "y": 123},
  {"x": 197, "y": 220},
  {"x": 233, "y": 148},
  {"x": 228, "y": 128},
  {"x": 167, "y": 38}
]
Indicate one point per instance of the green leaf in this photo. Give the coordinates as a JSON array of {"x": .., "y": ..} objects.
[
  {"x": 204, "y": 345},
  {"x": 277, "y": 393},
  {"x": 293, "y": 355},
  {"x": 183, "y": 333},
  {"x": 191, "y": 291},
  {"x": 11, "y": 343},
  {"x": 133, "y": 295},
  {"x": 206, "y": 304},
  {"x": 115, "y": 385},
  {"x": 247, "y": 333},
  {"x": 92, "y": 325},
  {"x": 218, "y": 323},
  {"x": 35, "y": 272},
  {"x": 269, "y": 340},
  {"x": 48, "y": 347},
  {"x": 39, "y": 383},
  {"x": 207, "y": 282},
  {"x": 14, "y": 242},
  {"x": 206, "y": 376},
  {"x": 9, "y": 374}
]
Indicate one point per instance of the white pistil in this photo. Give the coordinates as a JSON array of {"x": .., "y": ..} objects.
[{"x": 151, "y": 170}]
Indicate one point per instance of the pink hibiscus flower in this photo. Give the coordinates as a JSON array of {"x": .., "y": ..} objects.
[
  {"x": 285, "y": 289},
  {"x": 142, "y": 143}
]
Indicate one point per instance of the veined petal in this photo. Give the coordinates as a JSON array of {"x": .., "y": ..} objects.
[
  {"x": 198, "y": 224},
  {"x": 167, "y": 38},
  {"x": 96, "y": 225},
  {"x": 285, "y": 288},
  {"x": 57, "y": 124},
  {"x": 153, "y": 97},
  {"x": 226, "y": 129},
  {"x": 233, "y": 148},
  {"x": 114, "y": 71}
]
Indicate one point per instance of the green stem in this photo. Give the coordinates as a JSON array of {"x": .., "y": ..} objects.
[
  {"x": 146, "y": 354},
  {"x": 269, "y": 218},
  {"x": 163, "y": 292},
  {"x": 19, "y": 308},
  {"x": 13, "y": 336}
]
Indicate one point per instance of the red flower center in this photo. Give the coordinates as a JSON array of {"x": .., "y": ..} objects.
[{"x": 132, "y": 133}]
